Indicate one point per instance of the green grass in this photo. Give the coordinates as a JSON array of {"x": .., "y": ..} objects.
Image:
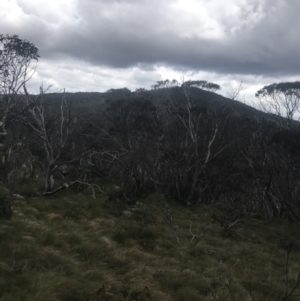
[{"x": 70, "y": 246}]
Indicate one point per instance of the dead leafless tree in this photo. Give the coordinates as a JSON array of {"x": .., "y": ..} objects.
[{"x": 52, "y": 129}]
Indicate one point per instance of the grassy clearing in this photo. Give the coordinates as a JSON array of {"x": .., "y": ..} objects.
[{"x": 72, "y": 246}]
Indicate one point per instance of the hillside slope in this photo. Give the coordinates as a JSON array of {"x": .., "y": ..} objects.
[{"x": 94, "y": 100}]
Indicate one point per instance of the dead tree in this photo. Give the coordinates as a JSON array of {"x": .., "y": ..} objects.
[
  {"x": 270, "y": 163},
  {"x": 52, "y": 129},
  {"x": 192, "y": 140},
  {"x": 127, "y": 150}
]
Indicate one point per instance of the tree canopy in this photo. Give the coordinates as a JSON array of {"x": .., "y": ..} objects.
[
  {"x": 282, "y": 99},
  {"x": 202, "y": 84},
  {"x": 15, "y": 57}
]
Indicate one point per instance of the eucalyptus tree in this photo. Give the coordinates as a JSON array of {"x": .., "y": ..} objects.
[
  {"x": 202, "y": 84},
  {"x": 17, "y": 65},
  {"x": 16, "y": 68},
  {"x": 282, "y": 99}
]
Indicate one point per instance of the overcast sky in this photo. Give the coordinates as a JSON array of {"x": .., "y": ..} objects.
[{"x": 94, "y": 45}]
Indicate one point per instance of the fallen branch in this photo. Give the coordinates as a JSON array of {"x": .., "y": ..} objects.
[
  {"x": 169, "y": 221},
  {"x": 193, "y": 233},
  {"x": 233, "y": 224},
  {"x": 68, "y": 185}
]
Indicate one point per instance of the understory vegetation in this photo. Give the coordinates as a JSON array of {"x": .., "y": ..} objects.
[{"x": 75, "y": 247}]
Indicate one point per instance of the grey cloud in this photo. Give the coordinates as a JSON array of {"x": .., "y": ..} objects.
[
  {"x": 123, "y": 34},
  {"x": 113, "y": 37}
]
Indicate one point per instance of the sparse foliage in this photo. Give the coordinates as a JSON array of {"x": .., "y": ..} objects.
[{"x": 282, "y": 99}]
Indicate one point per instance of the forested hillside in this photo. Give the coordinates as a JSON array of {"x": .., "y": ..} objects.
[
  {"x": 189, "y": 144},
  {"x": 194, "y": 193}
]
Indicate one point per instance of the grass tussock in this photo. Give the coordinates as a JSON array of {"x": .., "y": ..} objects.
[{"x": 74, "y": 247}]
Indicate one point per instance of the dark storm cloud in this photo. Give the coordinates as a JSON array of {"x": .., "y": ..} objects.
[
  {"x": 263, "y": 40},
  {"x": 122, "y": 34}
]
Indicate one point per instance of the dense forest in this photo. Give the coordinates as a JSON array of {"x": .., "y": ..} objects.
[{"x": 179, "y": 139}]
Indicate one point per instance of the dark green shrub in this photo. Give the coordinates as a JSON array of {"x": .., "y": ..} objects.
[{"x": 6, "y": 208}]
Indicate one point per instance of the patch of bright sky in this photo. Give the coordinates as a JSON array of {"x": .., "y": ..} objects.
[
  {"x": 10, "y": 11},
  {"x": 53, "y": 12},
  {"x": 74, "y": 76},
  {"x": 214, "y": 19},
  {"x": 229, "y": 83}
]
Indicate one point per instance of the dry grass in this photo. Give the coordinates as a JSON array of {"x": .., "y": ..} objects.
[{"x": 67, "y": 248}]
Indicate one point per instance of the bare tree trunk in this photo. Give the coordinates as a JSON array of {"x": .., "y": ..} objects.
[{"x": 53, "y": 137}]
